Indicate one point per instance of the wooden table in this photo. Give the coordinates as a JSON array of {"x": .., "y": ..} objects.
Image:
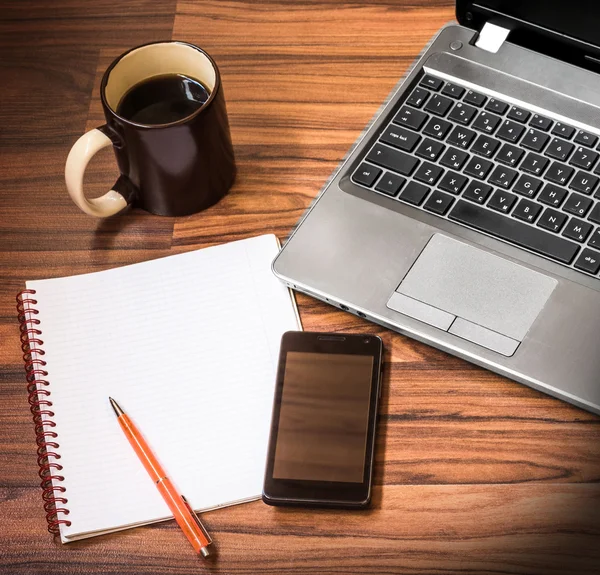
[{"x": 475, "y": 474}]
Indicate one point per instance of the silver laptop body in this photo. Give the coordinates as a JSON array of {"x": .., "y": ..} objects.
[{"x": 428, "y": 235}]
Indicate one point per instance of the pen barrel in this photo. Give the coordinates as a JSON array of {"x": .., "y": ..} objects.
[
  {"x": 141, "y": 448},
  {"x": 180, "y": 508},
  {"x": 185, "y": 517}
]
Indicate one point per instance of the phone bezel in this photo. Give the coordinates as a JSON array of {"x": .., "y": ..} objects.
[{"x": 324, "y": 493}]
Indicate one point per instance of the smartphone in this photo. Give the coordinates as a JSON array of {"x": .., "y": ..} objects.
[{"x": 322, "y": 438}]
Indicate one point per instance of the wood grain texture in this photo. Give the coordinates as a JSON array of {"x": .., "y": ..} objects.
[
  {"x": 49, "y": 54},
  {"x": 474, "y": 474}
]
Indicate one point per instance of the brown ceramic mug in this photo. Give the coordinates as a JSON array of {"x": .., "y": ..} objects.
[{"x": 171, "y": 169}]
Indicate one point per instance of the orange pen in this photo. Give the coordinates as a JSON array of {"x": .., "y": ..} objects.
[{"x": 180, "y": 508}]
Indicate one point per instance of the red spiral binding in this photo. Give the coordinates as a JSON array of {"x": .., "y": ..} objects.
[{"x": 40, "y": 404}]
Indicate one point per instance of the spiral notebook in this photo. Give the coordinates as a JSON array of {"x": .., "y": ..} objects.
[{"x": 188, "y": 344}]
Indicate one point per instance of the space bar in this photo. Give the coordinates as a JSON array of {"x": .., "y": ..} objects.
[{"x": 513, "y": 231}]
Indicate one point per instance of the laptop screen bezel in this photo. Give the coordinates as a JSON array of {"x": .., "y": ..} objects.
[{"x": 529, "y": 34}]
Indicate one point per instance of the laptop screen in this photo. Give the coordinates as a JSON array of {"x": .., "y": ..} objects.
[
  {"x": 576, "y": 18},
  {"x": 565, "y": 29}
]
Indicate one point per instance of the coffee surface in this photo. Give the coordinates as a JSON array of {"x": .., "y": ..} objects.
[{"x": 162, "y": 99}]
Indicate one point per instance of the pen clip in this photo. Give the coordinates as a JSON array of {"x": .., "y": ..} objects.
[{"x": 197, "y": 520}]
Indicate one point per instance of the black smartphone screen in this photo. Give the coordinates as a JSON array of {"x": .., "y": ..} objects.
[
  {"x": 324, "y": 415},
  {"x": 323, "y": 419}
]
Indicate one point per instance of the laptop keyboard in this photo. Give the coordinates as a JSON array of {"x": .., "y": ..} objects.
[{"x": 497, "y": 168}]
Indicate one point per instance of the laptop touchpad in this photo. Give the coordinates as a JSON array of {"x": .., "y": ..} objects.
[{"x": 473, "y": 294}]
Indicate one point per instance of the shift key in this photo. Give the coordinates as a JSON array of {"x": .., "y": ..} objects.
[{"x": 399, "y": 162}]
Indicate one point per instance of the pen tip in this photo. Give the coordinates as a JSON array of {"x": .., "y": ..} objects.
[{"x": 116, "y": 407}]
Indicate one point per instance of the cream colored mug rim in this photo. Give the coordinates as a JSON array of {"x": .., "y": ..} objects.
[{"x": 182, "y": 121}]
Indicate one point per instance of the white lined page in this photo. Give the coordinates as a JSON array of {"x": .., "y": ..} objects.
[{"x": 188, "y": 346}]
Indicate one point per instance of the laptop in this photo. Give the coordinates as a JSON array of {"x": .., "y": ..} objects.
[{"x": 467, "y": 215}]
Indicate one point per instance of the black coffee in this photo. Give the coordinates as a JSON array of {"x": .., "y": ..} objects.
[{"x": 162, "y": 99}]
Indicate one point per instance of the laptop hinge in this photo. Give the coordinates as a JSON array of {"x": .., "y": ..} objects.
[{"x": 491, "y": 37}]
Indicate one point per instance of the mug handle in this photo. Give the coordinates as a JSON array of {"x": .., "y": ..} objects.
[{"x": 81, "y": 153}]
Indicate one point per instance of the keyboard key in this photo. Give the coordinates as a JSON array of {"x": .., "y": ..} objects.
[
  {"x": 527, "y": 211},
  {"x": 584, "y": 158},
  {"x": 453, "y": 182},
  {"x": 584, "y": 183},
  {"x": 552, "y": 195},
  {"x": 496, "y": 106},
  {"x": 478, "y": 167},
  {"x": 366, "y": 175},
  {"x": 462, "y": 113},
  {"x": 509, "y": 155},
  {"x": 461, "y": 137},
  {"x": 586, "y": 139},
  {"x": 390, "y": 184},
  {"x": 578, "y": 205},
  {"x": 485, "y": 146},
  {"x": 400, "y": 138},
  {"x": 552, "y": 220},
  {"x": 527, "y": 185},
  {"x": 431, "y": 82},
  {"x": 477, "y": 192},
  {"x": 510, "y": 131},
  {"x": 410, "y": 118},
  {"x": 437, "y": 128},
  {"x": 475, "y": 98},
  {"x": 453, "y": 90},
  {"x": 513, "y": 231},
  {"x": 486, "y": 122},
  {"x": 495, "y": 217},
  {"x": 392, "y": 159},
  {"x": 577, "y": 230},
  {"x": 438, "y": 105},
  {"x": 534, "y": 164},
  {"x": 428, "y": 173},
  {"x": 588, "y": 261},
  {"x": 540, "y": 122},
  {"x": 414, "y": 193},
  {"x": 534, "y": 140},
  {"x": 418, "y": 97},
  {"x": 439, "y": 202},
  {"x": 519, "y": 115},
  {"x": 563, "y": 130},
  {"x": 559, "y": 173},
  {"x": 503, "y": 177},
  {"x": 454, "y": 158},
  {"x": 595, "y": 214},
  {"x": 559, "y": 149},
  {"x": 595, "y": 239},
  {"x": 430, "y": 149},
  {"x": 502, "y": 201}
]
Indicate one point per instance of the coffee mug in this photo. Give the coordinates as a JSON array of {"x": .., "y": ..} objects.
[{"x": 167, "y": 122}]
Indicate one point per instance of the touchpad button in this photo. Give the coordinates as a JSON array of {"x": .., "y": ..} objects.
[{"x": 480, "y": 287}]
